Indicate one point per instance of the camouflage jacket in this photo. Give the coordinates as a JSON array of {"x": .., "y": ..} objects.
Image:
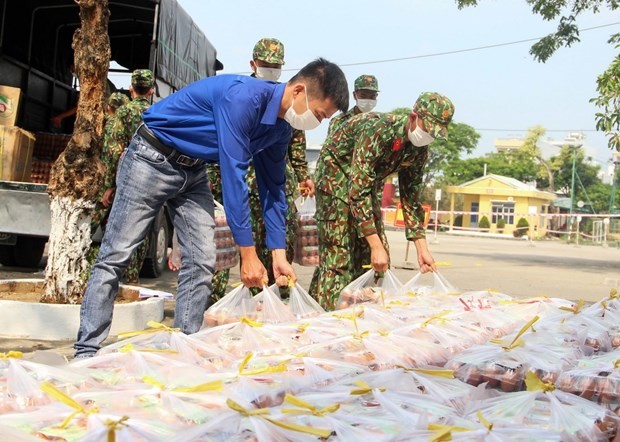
[
  {"x": 297, "y": 162},
  {"x": 361, "y": 155},
  {"x": 337, "y": 122},
  {"x": 126, "y": 121}
]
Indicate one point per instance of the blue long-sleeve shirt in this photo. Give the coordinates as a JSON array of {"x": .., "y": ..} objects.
[{"x": 232, "y": 119}]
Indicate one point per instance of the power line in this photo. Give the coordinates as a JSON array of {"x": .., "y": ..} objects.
[{"x": 456, "y": 51}]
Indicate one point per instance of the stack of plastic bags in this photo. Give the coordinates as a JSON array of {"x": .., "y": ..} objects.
[{"x": 402, "y": 362}]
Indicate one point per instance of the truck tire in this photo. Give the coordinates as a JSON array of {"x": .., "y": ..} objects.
[
  {"x": 7, "y": 258},
  {"x": 28, "y": 251},
  {"x": 157, "y": 256}
]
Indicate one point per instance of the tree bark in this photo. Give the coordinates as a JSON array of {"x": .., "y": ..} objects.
[{"x": 77, "y": 174}]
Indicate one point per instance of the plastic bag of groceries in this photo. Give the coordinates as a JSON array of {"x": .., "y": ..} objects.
[
  {"x": 23, "y": 379},
  {"x": 302, "y": 305},
  {"x": 226, "y": 251},
  {"x": 440, "y": 285},
  {"x": 231, "y": 308},
  {"x": 267, "y": 307},
  {"x": 175, "y": 345},
  {"x": 121, "y": 428},
  {"x": 599, "y": 384},
  {"x": 369, "y": 288},
  {"x": 307, "y": 237}
]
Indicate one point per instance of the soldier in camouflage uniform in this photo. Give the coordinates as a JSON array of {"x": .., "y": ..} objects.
[
  {"x": 350, "y": 175},
  {"x": 115, "y": 100},
  {"x": 267, "y": 58},
  {"x": 366, "y": 90},
  {"x": 126, "y": 121}
]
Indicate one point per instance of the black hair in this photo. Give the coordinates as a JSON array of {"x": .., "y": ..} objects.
[{"x": 325, "y": 79}]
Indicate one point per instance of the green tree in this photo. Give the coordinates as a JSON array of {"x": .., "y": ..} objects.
[
  {"x": 566, "y": 34},
  {"x": 562, "y": 164},
  {"x": 608, "y": 100},
  {"x": 530, "y": 148},
  {"x": 514, "y": 164}
]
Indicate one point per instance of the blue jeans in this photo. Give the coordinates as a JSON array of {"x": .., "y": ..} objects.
[{"x": 145, "y": 181}]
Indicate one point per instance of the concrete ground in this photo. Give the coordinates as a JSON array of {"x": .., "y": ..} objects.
[{"x": 515, "y": 267}]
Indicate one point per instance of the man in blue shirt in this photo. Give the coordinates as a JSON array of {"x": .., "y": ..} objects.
[{"x": 228, "y": 119}]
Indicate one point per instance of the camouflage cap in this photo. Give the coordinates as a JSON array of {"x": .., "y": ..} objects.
[
  {"x": 367, "y": 82},
  {"x": 436, "y": 111},
  {"x": 117, "y": 99},
  {"x": 142, "y": 78},
  {"x": 269, "y": 50}
]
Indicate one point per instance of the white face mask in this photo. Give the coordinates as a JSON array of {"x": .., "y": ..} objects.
[
  {"x": 305, "y": 121},
  {"x": 269, "y": 74},
  {"x": 419, "y": 138},
  {"x": 365, "y": 104}
]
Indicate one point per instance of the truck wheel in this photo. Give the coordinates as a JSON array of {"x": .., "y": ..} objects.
[
  {"x": 7, "y": 258},
  {"x": 157, "y": 257},
  {"x": 28, "y": 251}
]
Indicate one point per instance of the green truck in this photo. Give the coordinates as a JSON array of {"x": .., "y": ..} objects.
[{"x": 36, "y": 57}]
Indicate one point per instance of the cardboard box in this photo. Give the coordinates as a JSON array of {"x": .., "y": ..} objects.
[
  {"x": 15, "y": 153},
  {"x": 9, "y": 103}
]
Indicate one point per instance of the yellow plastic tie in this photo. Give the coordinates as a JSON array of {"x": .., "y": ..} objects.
[
  {"x": 449, "y": 374},
  {"x": 247, "y": 321},
  {"x": 115, "y": 425},
  {"x": 533, "y": 383},
  {"x": 155, "y": 327},
  {"x": 201, "y": 388},
  {"x": 263, "y": 412},
  {"x": 12, "y": 354},
  {"x": 488, "y": 425},
  {"x": 444, "y": 432},
  {"x": 129, "y": 347},
  {"x": 364, "y": 388},
  {"x": 437, "y": 317},
  {"x": 55, "y": 393},
  {"x": 517, "y": 341},
  {"x": 575, "y": 309},
  {"x": 307, "y": 408}
]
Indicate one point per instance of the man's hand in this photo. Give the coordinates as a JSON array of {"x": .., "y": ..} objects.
[
  {"x": 108, "y": 197},
  {"x": 253, "y": 272},
  {"x": 379, "y": 258},
  {"x": 282, "y": 269},
  {"x": 425, "y": 259},
  {"x": 307, "y": 187}
]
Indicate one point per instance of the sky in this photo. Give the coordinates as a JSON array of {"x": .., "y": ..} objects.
[{"x": 500, "y": 91}]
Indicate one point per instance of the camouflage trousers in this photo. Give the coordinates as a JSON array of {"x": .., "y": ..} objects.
[
  {"x": 132, "y": 273},
  {"x": 342, "y": 253},
  {"x": 259, "y": 234}
]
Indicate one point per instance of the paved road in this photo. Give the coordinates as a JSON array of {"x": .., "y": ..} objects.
[{"x": 515, "y": 267}]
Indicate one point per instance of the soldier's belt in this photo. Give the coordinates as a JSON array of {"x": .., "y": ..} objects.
[{"x": 170, "y": 153}]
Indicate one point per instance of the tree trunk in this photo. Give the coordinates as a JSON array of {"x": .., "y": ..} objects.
[{"x": 78, "y": 172}]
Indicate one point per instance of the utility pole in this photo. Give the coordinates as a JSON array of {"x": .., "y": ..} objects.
[
  {"x": 572, "y": 189},
  {"x": 572, "y": 183}
]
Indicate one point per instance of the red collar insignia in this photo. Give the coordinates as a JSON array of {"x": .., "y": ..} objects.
[{"x": 398, "y": 144}]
